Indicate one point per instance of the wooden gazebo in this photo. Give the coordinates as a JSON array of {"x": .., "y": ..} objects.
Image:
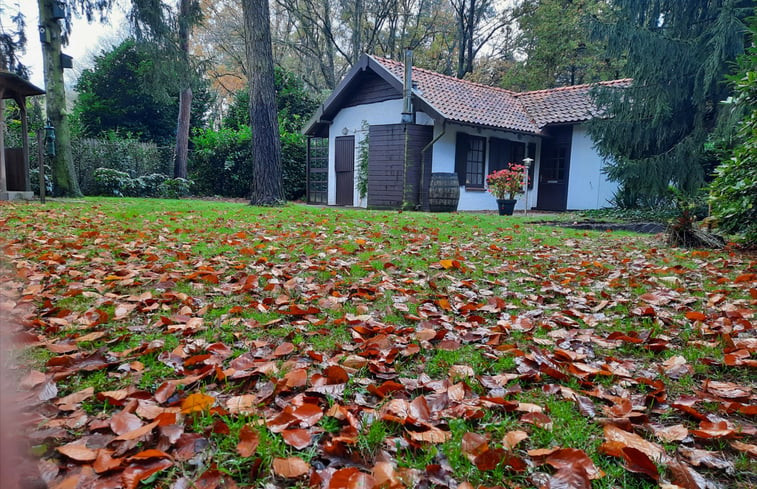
[{"x": 14, "y": 165}]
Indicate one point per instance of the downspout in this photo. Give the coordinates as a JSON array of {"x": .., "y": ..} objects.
[
  {"x": 407, "y": 92},
  {"x": 423, "y": 197}
]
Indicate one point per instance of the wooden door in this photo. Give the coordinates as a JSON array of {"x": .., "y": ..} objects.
[
  {"x": 554, "y": 170},
  {"x": 344, "y": 165}
]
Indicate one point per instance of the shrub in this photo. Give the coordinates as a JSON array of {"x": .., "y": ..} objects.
[
  {"x": 733, "y": 193},
  {"x": 108, "y": 181},
  {"x": 175, "y": 188},
  {"x": 221, "y": 163},
  {"x": 126, "y": 155}
]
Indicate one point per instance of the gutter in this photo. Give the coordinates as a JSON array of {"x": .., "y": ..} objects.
[{"x": 423, "y": 189}]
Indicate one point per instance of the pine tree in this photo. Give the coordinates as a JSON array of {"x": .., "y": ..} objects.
[
  {"x": 677, "y": 53},
  {"x": 266, "y": 146}
]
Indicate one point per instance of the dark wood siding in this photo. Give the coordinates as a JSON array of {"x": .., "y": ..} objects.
[
  {"x": 417, "y": 138},
  {"x": 344, "y": 166},
  {"x": 386, "y": 166},
  {"x": 371, "y": 89},
  {"x": 393, "y": 180}
]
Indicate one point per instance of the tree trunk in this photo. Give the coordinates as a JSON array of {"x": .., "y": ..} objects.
[
  {"x": 266, "y": 146},
  {"x": 185, "y": 97},
  {"x": 63, "y": 173},
  {"x": 182, "y": 134}
]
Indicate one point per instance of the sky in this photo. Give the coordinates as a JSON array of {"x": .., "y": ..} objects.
[{"x": 85, "y": 41}]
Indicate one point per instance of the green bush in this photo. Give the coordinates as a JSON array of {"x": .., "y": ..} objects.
[
  {"x": 221, "y": 163},
  {"x": 733, "y": 193},
  {"x": 108, "y": 181},
  {"x": 175, "y": 188},
  {"x": 126, "y": 155}
]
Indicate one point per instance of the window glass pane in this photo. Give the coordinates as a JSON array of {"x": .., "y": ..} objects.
[{"x": 475, "y": 162}]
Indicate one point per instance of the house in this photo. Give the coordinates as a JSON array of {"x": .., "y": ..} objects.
[{"x": 427, "y": 123}]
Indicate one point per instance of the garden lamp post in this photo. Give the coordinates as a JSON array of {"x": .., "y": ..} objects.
[{"x": 527, "y": 164}]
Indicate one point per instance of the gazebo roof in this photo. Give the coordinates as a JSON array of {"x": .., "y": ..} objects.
[{"x": 15, "y": 87}]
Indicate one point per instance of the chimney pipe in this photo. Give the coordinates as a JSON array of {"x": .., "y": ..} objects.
[{"x": 407, "y": 106}]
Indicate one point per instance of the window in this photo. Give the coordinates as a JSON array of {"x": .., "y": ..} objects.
[{"x": 470, "y": 160}]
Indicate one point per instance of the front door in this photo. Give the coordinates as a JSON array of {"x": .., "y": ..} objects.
[
  {"x": 554, "y": 170},
  {"x": 344, "y": 165}
]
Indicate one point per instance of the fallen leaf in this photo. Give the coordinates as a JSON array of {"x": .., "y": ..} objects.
[
  {"x": 290, "y": 467},
  {"x": 197, "y": 403}
]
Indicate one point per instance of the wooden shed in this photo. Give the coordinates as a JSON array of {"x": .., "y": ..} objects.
[{"x": 14, "y": 162}]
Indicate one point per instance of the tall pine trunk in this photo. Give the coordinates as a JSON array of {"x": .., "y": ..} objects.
[
  {"x": 185, "y": 97},
  {"x": 63, "y": 173},
  {"x": 182, "y": 134},
  {"x": 266, "y": 147}
]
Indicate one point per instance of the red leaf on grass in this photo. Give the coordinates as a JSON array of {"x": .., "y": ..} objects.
[
  {"x": 135, "y": 473},
  {"x": 248, "y": 441},
  {"x": 298, "y": 438}
]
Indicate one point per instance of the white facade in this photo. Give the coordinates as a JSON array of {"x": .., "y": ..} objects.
[
  {"x": 443, "y": 160},
  {"x": 588, "y": 187}
]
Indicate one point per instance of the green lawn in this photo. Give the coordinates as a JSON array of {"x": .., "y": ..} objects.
[{"x": 204, "y": 341}]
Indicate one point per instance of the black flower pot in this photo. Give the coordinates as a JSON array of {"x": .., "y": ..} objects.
[{"x": 506, "y": 206}]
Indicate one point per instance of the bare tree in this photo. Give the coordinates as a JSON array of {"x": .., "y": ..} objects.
[{"x": 477, "y": 22}]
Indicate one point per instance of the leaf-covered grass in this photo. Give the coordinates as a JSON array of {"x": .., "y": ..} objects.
[{"x": 442, "y": 349}]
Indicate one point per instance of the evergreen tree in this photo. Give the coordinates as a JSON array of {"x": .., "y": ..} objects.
[
  {"x": 554, "y": 39},
  {"x": 677, "y": 53},
  {"x": 119, "y": 94}
]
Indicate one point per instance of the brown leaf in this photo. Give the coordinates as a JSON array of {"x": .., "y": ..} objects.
[
  {"x": 745, "y": 447},
  {"x": 432, "y": 435},
  {"x": 651, "y": 450},
  {"x": 574, "y": 458},
  {"x": 135, "y": 473},
  {"x": 512, "y": 438},
  {"x": 336, "y": 375},
  {"x": 309, "y": 414},
  {"x": 290, "y": 467},
  {"x": 671, "y": 433},
  {"x": 148, "y": 454},
  {"x": 296, "y": 378},
  {"x": 105, "y": 461},
  {"x": 489, "y": 459},
  {"x": 283, "y": 349},
  {"x": 638, "y": 462},
  {"x": 248, "y": 441},
  {"x": 537, "y": 419},
  {"x": 298, "y": 438},
  {"x": 244, "y": 404},
  {"x": 474, "y": 444},
  {"x": 165, "y": 391},
  {"x": 124, "y": 422},
  {"x": 569, "y": 478},
  {"x": 78, "y": 452},
  {"x": 138, "y": 433}
]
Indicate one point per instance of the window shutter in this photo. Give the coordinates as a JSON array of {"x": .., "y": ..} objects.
[
  {"x": 499, "y": 152},
  {"x": 461, "y": 157}
]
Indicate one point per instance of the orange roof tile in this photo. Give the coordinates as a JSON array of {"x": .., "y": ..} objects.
[{"x": 473, "y": 103}]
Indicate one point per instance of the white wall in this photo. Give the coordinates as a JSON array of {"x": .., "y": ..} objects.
[
  {"x": 349, "y": 122},
  {"x": 588, "y": 187},
  {"x": 444, "y": 161}
]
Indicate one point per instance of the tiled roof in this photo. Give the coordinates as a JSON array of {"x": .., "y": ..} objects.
[
  {"x": 464, "y": 101},
  {"x": 474, "y": 103},
  {"x": 564, "y": 104}
]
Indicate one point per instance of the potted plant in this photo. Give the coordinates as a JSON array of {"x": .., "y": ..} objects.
[{"x": 505, "y": 185}]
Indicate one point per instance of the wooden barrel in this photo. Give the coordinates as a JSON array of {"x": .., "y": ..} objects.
[{"x": 444, "y": 192}]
